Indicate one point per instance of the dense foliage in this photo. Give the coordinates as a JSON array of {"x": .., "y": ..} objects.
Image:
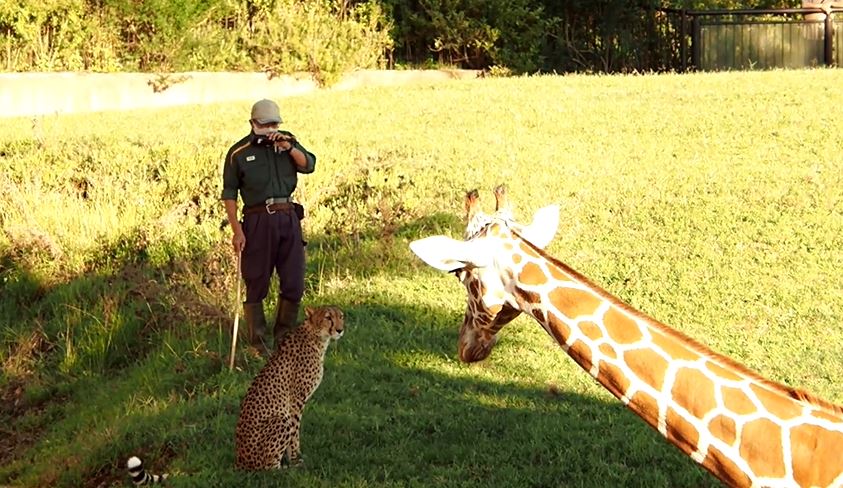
[
  {"x": 276, "y": 36},
  {"x": 546, "y": 35},
  {"x": 328, "y": 37}
]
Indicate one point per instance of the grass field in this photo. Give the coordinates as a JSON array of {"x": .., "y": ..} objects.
[{"x": 712, "y": 202}]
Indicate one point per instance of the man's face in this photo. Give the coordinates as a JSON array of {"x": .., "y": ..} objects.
[{"x": 263, "y": 129}]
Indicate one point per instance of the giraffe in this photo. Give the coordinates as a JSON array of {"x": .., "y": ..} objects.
[{"x": 744, "y": 429}]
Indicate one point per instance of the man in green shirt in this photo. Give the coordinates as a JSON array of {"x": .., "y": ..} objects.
[{"x": 263, "y": 168}]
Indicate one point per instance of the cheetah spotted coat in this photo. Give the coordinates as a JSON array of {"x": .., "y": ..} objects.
[{"x": 268, "y": 428}]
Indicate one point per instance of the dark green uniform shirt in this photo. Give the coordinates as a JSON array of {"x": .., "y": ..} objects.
[{"x": 258, "y": 172}]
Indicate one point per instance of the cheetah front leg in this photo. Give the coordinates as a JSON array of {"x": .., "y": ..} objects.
[{"x": 294, "y": 449}]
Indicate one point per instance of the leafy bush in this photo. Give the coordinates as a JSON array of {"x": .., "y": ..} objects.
[
  {"x": 152, "y": 31},
  {"x": 471, "y": 33},
  {"x": 196, "y": 35},
  {"x": 309, "y": 36},
  {"x": 54, "y": 35}
]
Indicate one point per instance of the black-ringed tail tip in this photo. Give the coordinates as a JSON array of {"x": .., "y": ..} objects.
[{"x": 139, "y": 475}]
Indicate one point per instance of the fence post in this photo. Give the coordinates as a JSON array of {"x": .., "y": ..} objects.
[
  {"x": 683, "y": 42},
  {"x": 695, "y": 42},
  {"x": 829, "y": 38}
]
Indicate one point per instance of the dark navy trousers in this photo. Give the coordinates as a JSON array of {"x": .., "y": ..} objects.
[{"x": 273, "y": 242}]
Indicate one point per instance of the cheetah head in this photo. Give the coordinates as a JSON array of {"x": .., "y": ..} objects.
[{"x": 328, "y": 321}]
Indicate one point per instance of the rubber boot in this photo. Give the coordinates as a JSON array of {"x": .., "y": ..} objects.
[
  {"x": 286, "y": 320},
  {"x": 256, "y": 321}
]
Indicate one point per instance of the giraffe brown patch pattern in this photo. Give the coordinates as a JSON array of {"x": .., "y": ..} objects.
[
  {"x": 725, "y": 469},
  {"x": 268, "y": 427},
  {"x": 681, "y": 432},
  {"x": 621, "y": 328},
  {"x": 559, "y": 330},
  {"x": 645, "y": 406},
  {"x": 539, "y": 315},
  {"x": 761, "y": 446},
  {"x": 573, "y": 302},
  {"x": 608, "y": 350},
  {"x": 673, "y": 347},
  {"x": 775, "y": 403},
  {"x": 557, "y": 274},
  {"x": 532, "y": 275},
  {"x": 647, "y": 365},
  {"x": 495, "y": 309},
  {"x": 581, "y": 353},
  {"x": 591, "y": 330},
  {"x": 527, "y": 297},
  {"x": 821, "y": 414},
  {"x": 736, "y": 401},
  {"x": 474, "y": 289},
  {"x": 527, "y": 250},
  {"x": 814, "y": 449},
  {"x": 723, "y": 428},
  {"x": 722, "y": 372},
  {"x": 613, "y": 379},
  {"x": 694, "y": 391}
]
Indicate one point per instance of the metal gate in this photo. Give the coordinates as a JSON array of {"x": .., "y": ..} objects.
[
  {"x": 757, "y": 39},
  {"x": 760, "y": 45}
]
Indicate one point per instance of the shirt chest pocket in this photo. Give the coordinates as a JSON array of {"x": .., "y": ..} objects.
[{"x": 255, "y": 173}]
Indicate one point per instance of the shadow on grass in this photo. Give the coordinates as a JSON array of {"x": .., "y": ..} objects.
[{"x": 394, "y": 409}]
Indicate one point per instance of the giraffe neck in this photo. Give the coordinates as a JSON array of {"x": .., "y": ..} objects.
[{"x": 744, "y": 429}]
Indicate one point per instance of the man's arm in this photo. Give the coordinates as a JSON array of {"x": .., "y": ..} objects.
[
  {"x": 304, "y": 160},
  {"x": 238, "y": 240},
  {"x": 230, "y": 185}
]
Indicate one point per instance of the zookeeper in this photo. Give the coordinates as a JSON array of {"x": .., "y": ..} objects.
[{"x": 263, "y": 168}]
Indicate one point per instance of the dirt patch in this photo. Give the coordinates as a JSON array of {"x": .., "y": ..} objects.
[
  {"x": 116, "y": 474},
  {"x": 16, "y": 436}
]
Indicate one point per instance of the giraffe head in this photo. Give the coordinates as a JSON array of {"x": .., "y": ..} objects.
[{"x": 484, "y": 262}]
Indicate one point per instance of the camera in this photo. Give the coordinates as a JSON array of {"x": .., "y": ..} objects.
[{"x": 265, "y": 141}]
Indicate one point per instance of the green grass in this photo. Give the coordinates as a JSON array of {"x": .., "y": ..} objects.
[{"x": 712, "y": 202}]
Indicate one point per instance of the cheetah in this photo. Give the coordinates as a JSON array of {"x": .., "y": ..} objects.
[{"x": 268, "y": 428}]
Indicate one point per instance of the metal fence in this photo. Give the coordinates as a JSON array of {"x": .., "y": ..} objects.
[
  {"x": 754, "y": 39},
  {"x": 838, "y": 42},
  {"x": 760, "y": 45}
]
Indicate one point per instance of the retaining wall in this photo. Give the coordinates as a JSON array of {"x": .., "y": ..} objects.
[{"x": 30, "y": 94}]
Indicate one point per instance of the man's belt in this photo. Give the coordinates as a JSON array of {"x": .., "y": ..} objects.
[{"x": 271, "y": 206}]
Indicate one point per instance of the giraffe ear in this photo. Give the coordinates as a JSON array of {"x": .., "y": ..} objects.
[
  {"x": 447, "y": 254},
  {"x": 541, "y": 231}
]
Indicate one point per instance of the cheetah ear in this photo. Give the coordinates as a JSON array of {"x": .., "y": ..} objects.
[{"x": 308, "y": 311}]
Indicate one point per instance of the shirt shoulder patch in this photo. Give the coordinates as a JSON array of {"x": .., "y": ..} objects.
[{"x": 250, "y": 158}]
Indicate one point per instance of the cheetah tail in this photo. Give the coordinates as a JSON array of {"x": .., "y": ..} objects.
[{"x": 139, "y": 475}]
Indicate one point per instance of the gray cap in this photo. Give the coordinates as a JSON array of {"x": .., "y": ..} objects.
[{"x": 265, "y": 112}]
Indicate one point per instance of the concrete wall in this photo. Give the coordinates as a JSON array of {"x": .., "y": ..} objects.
[{"x": 28, "y": 94}]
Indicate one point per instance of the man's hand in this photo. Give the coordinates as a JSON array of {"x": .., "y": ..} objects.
[
  {"x": 283, "y": 142},
  {"x": 238, "y": 241}
]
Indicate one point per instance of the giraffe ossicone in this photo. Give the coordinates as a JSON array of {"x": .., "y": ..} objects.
[{"x": 744, "y": 429}]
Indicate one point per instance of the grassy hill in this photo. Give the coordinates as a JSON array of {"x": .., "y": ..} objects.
[{"x": 712, "y": 202}]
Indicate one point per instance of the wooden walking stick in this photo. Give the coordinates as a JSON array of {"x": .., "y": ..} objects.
[{"x": 236, "y": 317}]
